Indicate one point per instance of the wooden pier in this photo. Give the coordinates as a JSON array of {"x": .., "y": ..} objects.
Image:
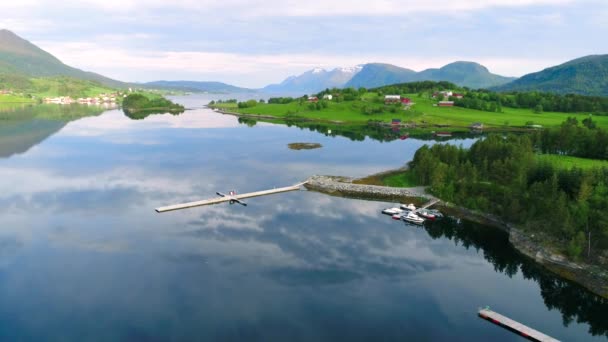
[
  {"x": 217, "y": 200},
  {"x": 512, "y": 325}
]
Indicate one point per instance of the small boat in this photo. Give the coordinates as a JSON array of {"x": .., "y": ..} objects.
[
  {"x": 409, "y": 207},
  {"x": 397, "y": 216},
  {"x": 392, "y": 211},
  {"x": 435, "y": 212},
  {"x": 426, "y": 214},
  {"x": 412, "y": 218}
]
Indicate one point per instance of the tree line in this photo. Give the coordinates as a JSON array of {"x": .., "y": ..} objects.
[
  {"x": 572, "y": 138},
  {"x": 537, "y": 101},
  {"x": 501, "y": 176}
]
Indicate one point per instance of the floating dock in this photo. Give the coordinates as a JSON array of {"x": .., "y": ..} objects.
[
  {"x": 514, "y": 326},
  {"x": 228, "y": 198}
]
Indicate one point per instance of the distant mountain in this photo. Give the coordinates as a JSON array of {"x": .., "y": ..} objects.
[
  {"x": 585, "y": 76},
  {"x": 314, "y": 80},
  {"x": 19, "y": 56},
  {"x": 194, "y": 86},
  {"x": 376, "y": 75},
  {"x": 468, "y": 74}
]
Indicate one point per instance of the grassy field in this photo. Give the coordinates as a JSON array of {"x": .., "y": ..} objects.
[
  {"x": 423, "y": 112},
  {"x": 567, "y": 162},
  {"x": 63, "y": 86},
  {"x": 15, "y": 99},
  {"x": 397, "y": 179}
]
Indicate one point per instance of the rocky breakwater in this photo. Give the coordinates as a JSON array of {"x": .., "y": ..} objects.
[{"x": 344, "y": 186}]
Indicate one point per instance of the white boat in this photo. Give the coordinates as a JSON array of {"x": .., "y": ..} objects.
[
  {"x": 427, "y": 214},
  {"x": 392, "y": 211},
  {"x": 412, "y": 218},
  {"x": 409, "y": 207}
]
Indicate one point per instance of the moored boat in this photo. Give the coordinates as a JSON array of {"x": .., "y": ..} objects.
[
  {"x": 412, "y": 218},
  {"x": 426, "y": 214},
  {"x": 392, "y": 211},
  {"x": 409, "y": 207}
]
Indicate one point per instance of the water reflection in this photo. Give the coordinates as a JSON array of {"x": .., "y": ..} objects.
[
  {"x": 573, "y": 302},
  {"x": 79, "y": 238},
  {"x": 25, "y": 126},
  {"x": 360, "y": 132}
]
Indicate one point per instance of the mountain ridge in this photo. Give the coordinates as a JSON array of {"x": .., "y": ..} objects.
[
  {"x": 198, "y": 86},
  {"x": 372, "y": 75},
  {"x": 19, "y": 56},
  {"x": 586, "y": 75}
]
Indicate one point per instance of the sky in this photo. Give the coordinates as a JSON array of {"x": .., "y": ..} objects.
[{"x": 253, "y": 43}]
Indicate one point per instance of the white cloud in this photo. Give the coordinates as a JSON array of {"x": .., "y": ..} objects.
[{"x": 123, "y": 64}]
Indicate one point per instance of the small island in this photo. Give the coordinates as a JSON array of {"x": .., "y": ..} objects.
[
  {"x": 304, "y": 146},
  {"x": 139, "y": 106}
]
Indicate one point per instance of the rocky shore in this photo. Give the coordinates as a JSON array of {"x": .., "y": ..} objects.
[{"x": 592, "y": 277}]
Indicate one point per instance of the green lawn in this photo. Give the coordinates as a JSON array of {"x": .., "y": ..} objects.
[
  {"x": 567, "y": 162},
  {"x": 15, "y": 99},
  {"x": 64, "y": 86},
  {"x": 422, "y": 112}
]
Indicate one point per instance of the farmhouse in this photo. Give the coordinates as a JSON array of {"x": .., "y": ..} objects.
[
  {"x": 313, "y": 99},
  {"x": 443, "y": 93},
  {"x": 328, "y": 97},
  {"x": 446, "y": 104},
  {"x": 458, "y": 96},
  {"x": 392, "y": 98},
  {"x": 406, "y": 101}
]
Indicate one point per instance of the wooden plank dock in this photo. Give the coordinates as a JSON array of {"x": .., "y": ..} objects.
[
  {"x": 512, "y": 325},
  {"x": 217, "y": 200}
]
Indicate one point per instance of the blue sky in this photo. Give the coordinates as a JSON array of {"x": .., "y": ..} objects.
[{"x": 253, "y": 43}]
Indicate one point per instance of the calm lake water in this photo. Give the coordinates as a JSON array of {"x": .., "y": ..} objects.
[{"x": 84, "y": 257}]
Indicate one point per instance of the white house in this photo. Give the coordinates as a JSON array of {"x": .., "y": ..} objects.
[
  {"x": 328, "y": 97},
  {"x": 392, "y": 98}
]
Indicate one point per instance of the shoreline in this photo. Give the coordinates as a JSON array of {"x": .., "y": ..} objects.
[
  {"x": 591, "y": 277},
  {"x": 385, "y": 124}
]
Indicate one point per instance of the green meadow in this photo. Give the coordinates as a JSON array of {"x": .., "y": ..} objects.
[
  {"x": 567, "y": 162},
  {"x": 10, "y": 98},
  {"x": 422, "y": 112}
]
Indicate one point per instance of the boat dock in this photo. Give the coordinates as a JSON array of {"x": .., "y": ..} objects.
[
  {"x": 217, "y": 200},
  {"x": 429, "y": 204},
  {"x": 512, "y": 325}
]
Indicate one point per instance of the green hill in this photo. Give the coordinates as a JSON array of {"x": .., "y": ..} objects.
[
  {"x": 466, "y": 74},
  {"x": 20, "y": 58},
  {"x": 584, "y": 76},
  {"x": 378, "y": 74}
]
